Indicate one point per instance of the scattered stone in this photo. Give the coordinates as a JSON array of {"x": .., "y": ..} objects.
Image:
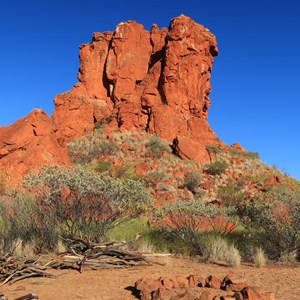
[
  {"x": 213, "y": 282},
  {"x": 194, "y": 287}
]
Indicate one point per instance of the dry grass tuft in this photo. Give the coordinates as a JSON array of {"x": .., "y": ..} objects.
[
  {"x": 232, "y": 256},
  {"x": 218, "y": 249},
  {"x": 259, "y": 258}
]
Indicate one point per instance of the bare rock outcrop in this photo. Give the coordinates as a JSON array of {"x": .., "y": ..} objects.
[
  {"x": 157, "y": 81},
  {"x": 30, "y": 143}
]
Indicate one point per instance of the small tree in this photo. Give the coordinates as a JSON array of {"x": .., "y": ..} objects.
[{"x": 86, "y": 203}]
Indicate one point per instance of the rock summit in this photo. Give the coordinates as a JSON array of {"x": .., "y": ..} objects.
[{"x": 129, "y": 79}]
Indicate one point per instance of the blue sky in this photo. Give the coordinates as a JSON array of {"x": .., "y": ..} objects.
[{"x": 255, "y": 80}]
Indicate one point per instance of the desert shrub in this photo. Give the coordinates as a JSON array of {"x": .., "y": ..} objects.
[
  {"x": 214, "y": 248},
  {"x": 252, "y": 155},
  {"x": 274, "y": 223},
  {"x": 289, "y": 257},
  {"x": 103, "y": 166},
  {"x": 6, "y": 238},
  {"x": 100, "y": 124},
  {"x": 31, "y": 225},
  {"x": 189, "y": 222},
  {"x": 192, "y": 181},
  {"x": 216, "y": 167},
  {"x": 22, "y": 222},
  {"x": 145, "y": 246},
  {"x": 213, "y": 149},
  {"x": 125, "y": 171},
  {"x": 246, "y": 154},
  {"x": 154, "y": 177},
  {"x": 232, "y": 194},
  {"x": 89, "y": 147},
  {"x": 86, "y": 203},
  {"x": 158, "y": 146}
]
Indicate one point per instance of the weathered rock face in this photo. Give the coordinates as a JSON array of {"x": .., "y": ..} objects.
[
  {"x": 31, "y": 142},
  {"x": 156, "y": 81},
  {"x": 131, "y": 78}
]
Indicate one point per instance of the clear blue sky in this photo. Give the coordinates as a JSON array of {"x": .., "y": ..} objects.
[{"x": 255, "y": 80}]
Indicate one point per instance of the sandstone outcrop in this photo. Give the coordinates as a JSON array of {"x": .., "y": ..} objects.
[
  {"x": 157, "y": 81},
  {"x": 31, "y": 142}
]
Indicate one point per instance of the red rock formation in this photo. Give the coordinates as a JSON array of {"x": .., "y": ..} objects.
[
  {"x": 156, "y": 81},
  {"x": 30, "y": 142}
]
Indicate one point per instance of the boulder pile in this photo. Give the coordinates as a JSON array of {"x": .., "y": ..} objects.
[{"x": 196, "y": 287}]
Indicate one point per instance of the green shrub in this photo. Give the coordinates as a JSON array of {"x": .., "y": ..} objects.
[
  {"x": 232, "y": 194},
  {"x": 86, "y": 203},
  {"x": 274, "y": 224},
  {"x": 246, "y": 154},
  {"x": 6, "y": 237},
  {"x": 129, "y": 229},
  {"x": 213, "y": 149},
  {"x": 89, "y": 147},
  {"x": 192, "y": 181},
  {"x": 153, "y": 177},
  {"x": 125, "y": 172},
  {"x": 103, "y": 166},
  {"x": 158, "y": 146},
  {"x": 216, "y": 167},
  {"x": 32, "y": 226},
  {"x": 183, "y": 221},
  {"x": 23, "y": 222}
]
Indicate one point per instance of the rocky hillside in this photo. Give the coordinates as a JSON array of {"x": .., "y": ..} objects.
[
  {"x": 232, "y": 176},
  {"x": 156, "y": 82}
]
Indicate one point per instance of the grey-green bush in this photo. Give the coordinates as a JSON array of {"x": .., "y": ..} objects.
[
  {"x": 158, "y": 146},
  {"x": 86, "y": 203},
  {"x": 216, "y": 167}
]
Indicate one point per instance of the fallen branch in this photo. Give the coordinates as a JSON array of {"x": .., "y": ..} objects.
[{"x": 12, "y": 270}]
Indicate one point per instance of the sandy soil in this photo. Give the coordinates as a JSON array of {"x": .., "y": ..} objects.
[{"x": 114, "y": 284}]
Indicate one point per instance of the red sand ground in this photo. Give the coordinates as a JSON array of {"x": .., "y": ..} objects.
[{"x": 110, "y": 284}]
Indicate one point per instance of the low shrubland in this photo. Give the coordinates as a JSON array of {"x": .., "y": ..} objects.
[
  {"x": 222, "y": 211},
  {"x": 89, "y": 147},
  {"x": 68, "y": 202}
]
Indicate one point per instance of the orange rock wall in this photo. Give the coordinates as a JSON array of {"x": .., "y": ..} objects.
[{"x": 156, "y": 81}]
